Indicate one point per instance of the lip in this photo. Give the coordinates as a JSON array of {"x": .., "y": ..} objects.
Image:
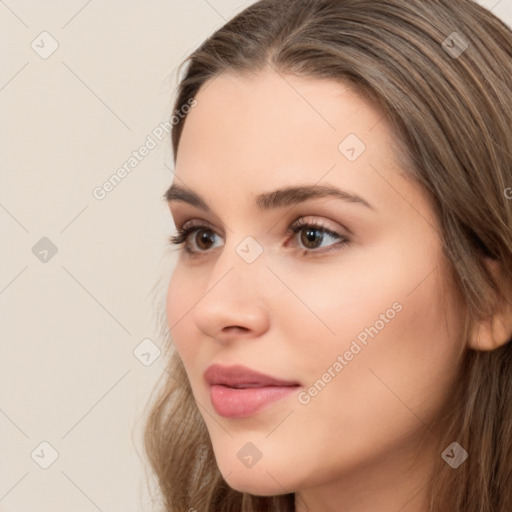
[{"x": 237, "y": 391}]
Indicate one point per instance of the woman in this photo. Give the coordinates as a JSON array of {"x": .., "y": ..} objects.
[{"x": 340, "y": 313}]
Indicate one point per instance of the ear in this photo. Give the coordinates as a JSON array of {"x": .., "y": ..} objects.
[{"x": 495, "y": 331}]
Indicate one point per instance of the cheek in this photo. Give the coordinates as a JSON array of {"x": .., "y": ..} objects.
[
  {"x": 419, "y": 356},
  {"x": 180, "y": 299},
  {"x": 402, "y": 359},
  {"x": 398, "y": 334},
  {"x": 392, "y": 386}
]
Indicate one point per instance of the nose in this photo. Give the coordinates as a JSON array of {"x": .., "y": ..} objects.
[{"x": 234, "y": 304}]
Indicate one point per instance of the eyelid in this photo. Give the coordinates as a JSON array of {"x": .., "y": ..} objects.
[
  {"x": 194, "y": 223},
  {"x": 308, "y": 220},
  {"x": 302, "y": 220}
]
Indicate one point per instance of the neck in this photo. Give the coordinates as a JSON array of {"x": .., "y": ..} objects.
[{"x": 390, "y": 484}]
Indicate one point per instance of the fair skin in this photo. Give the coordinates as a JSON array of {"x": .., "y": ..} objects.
[{"x": 365, "y": 442}]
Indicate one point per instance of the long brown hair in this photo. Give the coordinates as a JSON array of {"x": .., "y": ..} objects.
[{"x": 442, "y": 71}]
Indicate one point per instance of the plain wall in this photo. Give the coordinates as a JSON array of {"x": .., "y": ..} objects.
[{"x": 70, "y": 321}]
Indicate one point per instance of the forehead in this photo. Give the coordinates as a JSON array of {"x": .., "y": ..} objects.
[
  {"x": 266, "y": 116},
  {"x": 252, "y": 104},
  {"x": 258, "y": 132}
]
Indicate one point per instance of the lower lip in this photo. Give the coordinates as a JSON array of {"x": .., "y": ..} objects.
[{"x": 240, "y": 403}]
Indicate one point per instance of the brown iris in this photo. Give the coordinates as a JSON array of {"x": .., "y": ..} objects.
[
  {"x": 309, "y": 235},
  {"x": 206, "y": 237}
]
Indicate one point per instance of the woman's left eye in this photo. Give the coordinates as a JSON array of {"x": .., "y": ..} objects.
[{"x": 312, "y": 236}]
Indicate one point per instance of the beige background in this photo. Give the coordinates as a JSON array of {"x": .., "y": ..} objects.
[{"x": 69, "y": 324}]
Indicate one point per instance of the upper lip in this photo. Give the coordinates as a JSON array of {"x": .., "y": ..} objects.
[{"x": 241, "y": 376}]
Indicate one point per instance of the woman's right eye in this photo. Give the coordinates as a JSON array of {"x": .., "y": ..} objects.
[{"x": 184, "y": 237}]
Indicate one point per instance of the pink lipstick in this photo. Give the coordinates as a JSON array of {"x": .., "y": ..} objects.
[{"x": 238, "y": 391}]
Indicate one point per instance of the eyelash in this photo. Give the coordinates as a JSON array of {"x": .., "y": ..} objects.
[{"x": 183, "y": 235}]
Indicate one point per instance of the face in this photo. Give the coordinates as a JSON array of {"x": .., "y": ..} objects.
[{"x": 352, "y": 307}]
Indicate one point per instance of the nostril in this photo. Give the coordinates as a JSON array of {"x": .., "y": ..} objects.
[{"x": 234, "y": 329}]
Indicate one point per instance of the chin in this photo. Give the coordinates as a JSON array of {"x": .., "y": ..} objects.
[
  {"x": 263, "y": 479},
  {"x": 260, "y": 485}
]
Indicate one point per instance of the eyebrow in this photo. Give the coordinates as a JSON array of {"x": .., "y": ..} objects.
[{"x": 269, "y": 200}]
